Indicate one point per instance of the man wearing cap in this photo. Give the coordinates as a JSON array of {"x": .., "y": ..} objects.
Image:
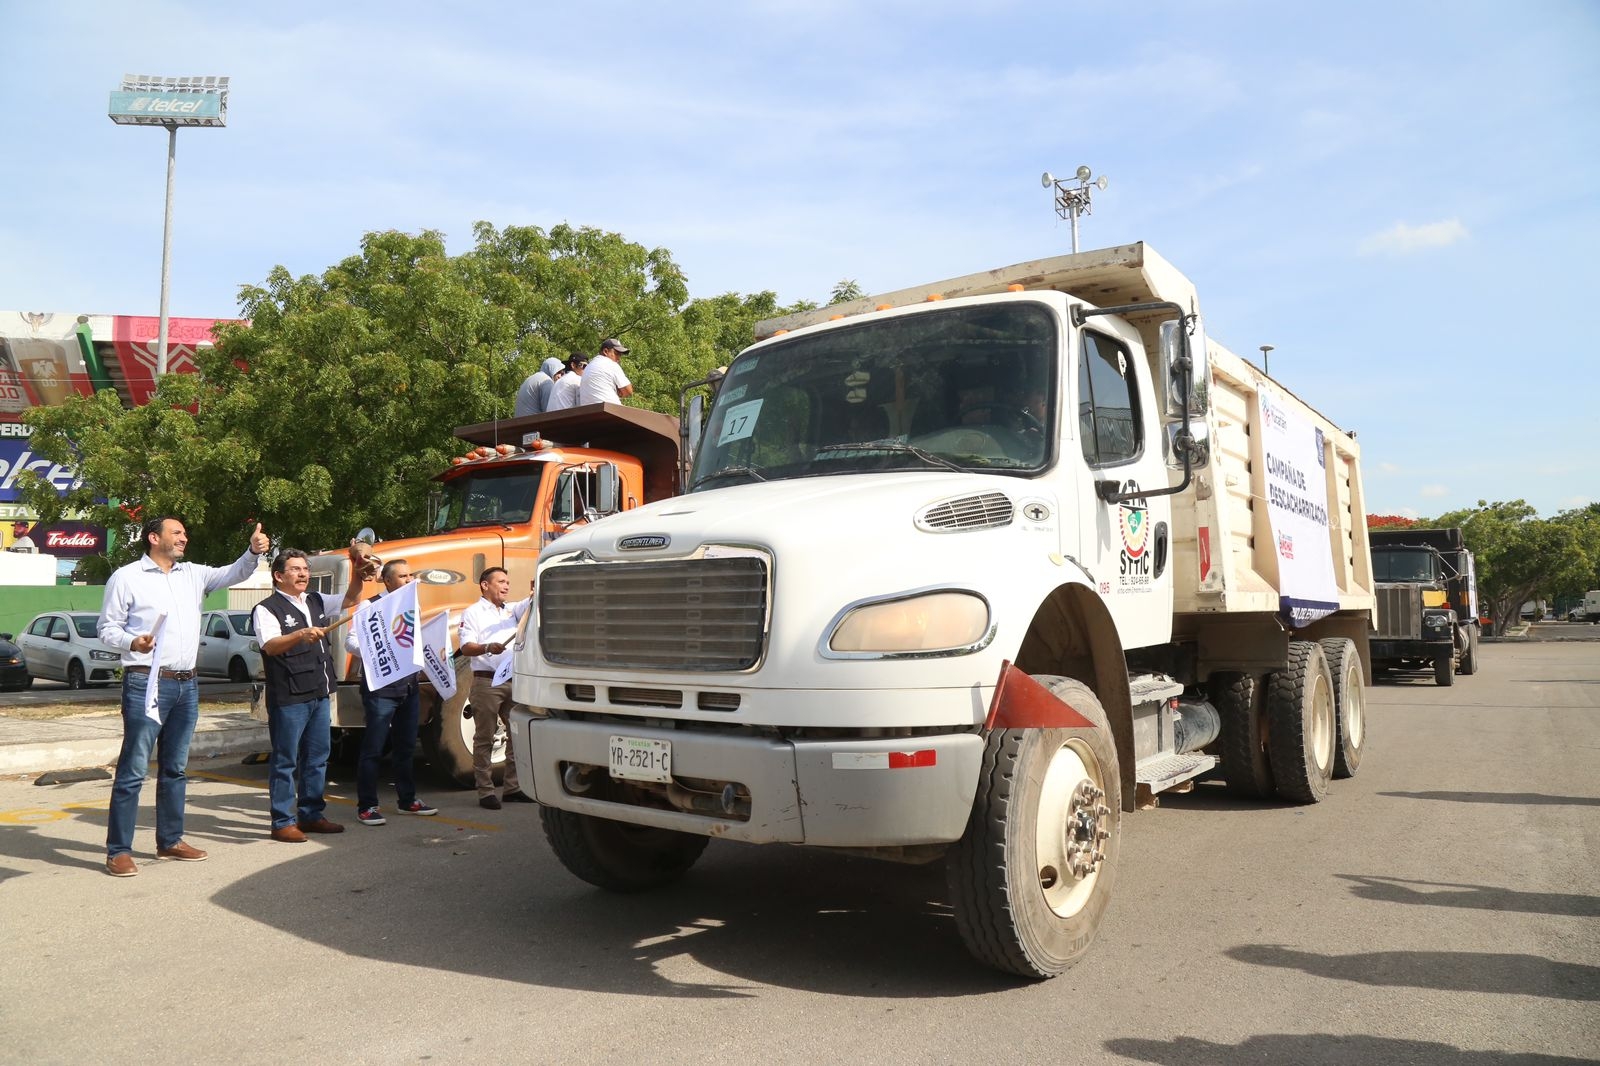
[
  {"x": 604, "y": 381},
  {"x": 533, "y": 397},
  {"x": 564, "y": 393}
]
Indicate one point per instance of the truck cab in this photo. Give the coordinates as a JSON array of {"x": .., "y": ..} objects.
[{"x": 1427, "y": 609}]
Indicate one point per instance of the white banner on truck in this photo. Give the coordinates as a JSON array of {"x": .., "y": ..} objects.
[{"x": 1297, "y": 508}]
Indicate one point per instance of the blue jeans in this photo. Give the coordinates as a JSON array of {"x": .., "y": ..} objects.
[
  {"x": 388, "y": 717},
  {"x": 299, "y": 763},
  {"x": 178, "y": 703}
]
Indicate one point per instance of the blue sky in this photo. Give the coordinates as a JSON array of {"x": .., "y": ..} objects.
[{"x": 1400, "y": 197}]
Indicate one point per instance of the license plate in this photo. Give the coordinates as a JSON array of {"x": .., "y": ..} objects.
[{"x": 637, "y": 759}]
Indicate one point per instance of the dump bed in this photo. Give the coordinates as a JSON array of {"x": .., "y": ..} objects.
[{"x": 1226, "y": 558}]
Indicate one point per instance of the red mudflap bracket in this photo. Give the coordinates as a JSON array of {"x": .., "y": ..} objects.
[{"x": 1020, "y": 702}]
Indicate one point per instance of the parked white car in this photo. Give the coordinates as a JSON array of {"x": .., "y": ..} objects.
[
  {"x": 62, "y": 646},
  {"x": 228, "y": 646}
]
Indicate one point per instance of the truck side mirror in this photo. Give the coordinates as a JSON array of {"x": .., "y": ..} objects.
[
  {"x": 607, "y": 489},
  {"x": 1174, "y": 341}
]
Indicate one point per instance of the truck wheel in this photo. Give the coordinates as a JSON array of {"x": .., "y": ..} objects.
[
  {"x": 1300, "y": 710},
  {"x": 1444, "y": 669},
  {"x": 1246, "y": 769},
  {"x": 446, "y": 740},
  {"x": 1031, "y": 876},
  {"x": 617, "y": 856},
  {"x": 1349, "y": 701},
  {"x": 1469, "y": 658}
]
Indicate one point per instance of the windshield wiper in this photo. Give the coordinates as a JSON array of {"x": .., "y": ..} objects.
[
  {"x": 731, "y": 471},
  {"x": 893, "y": 446}
]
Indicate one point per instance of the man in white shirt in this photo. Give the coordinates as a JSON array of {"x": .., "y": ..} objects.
[
  {"x": 160, "y": 586},
  {"x": 564, "y": 393},
  {"x": 605, "y": 381},
  {"x": 487, "y": 629}
]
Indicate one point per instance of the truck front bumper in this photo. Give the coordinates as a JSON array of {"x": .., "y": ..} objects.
[
  {"x": 833, "y": 793},
  {"x": 1410, "y": 649}
]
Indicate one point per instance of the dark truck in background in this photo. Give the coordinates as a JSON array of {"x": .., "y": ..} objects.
[{"x": 1427, "y": 599}]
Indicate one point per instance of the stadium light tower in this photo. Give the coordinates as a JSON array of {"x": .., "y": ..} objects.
[
  {"x": 169, "y": 102},
  {"x": 1073, "y": 200}
]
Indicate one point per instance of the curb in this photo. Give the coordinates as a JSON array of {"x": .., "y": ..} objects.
[{"x": 219, "y": 740}]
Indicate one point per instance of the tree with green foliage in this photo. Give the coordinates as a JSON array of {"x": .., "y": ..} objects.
[
  {"x": 333, "y": 406},
  {"x": 845, "y": 290},
  {"x": 1520, "y": 555}
]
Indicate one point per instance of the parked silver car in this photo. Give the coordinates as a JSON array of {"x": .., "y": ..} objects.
[
  {"x": 62, "y": 646},
  {"x": 228, "y": 646}
]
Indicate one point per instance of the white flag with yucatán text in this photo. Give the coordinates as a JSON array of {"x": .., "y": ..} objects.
[
  {"x": 152, "y": 690},
  {"x": 508, "y": 658},
  {"x": 435, "y": 649},
  {"x": 387, "y": 632},
  {"x": 1297, "y": 495}
]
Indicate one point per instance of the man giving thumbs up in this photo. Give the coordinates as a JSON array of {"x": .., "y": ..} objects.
[{"x": 151, "y": 614}]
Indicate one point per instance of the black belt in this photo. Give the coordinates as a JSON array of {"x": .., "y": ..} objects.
[
  {"x": 166, "y": 672},
  {"x": 483, "y": 673}
]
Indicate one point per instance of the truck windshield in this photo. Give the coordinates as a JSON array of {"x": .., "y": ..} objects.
[
  {"x": 1404, "y": 564},
  {"x": 967, "y": 388},
  {"x": 488, "y": 499}
]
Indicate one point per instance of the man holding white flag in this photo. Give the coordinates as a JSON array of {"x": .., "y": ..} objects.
[
  {"x": 151, "y": 613},
  {"x": 386, "y": 634},
  {"x": 488, "y": 628}
]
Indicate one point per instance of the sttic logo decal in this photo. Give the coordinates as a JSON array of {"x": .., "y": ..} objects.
[
  {"x": 405, "y": 629},
  {"x": 644, "y": 542},
  {"x": 1134, "y": 522}
]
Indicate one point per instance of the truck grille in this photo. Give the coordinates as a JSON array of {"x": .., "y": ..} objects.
[
  {"x": 1400, "y": 612},
  {"x": 681, "y": 614}
]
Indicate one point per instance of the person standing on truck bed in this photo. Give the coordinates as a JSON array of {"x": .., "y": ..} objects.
[
  {"x": 159, "y": 585},
  {"x": 534, "y": 395},
  {"x": 564, "y": 393},
  {"x": 391, "y": 712},
  {"x": 292, "y": 628},
  {"x": 487, "y": 629},
  {"x": 605, "y": 381}
]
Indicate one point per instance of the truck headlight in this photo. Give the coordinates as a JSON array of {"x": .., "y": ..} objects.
[
  {"x": 1437, "y": 619},
  {"x": 106, "y": 656},
  {"x": 930, "y": 623}
]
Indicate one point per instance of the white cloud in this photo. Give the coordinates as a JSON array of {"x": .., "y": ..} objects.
[
  {"x": 1388, "y": 468},
  {"x": 1403, "y": 239},
  {"x": 1408, "y": 512},
  {"x": 1433, "y": 492}
]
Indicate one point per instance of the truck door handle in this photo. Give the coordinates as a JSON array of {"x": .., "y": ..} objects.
[{"x": 1161, "y": 548}]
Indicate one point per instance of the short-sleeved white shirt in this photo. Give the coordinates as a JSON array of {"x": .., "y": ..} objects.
[
  {"x": 603, "y": 381},
  {"x": 564, "y": 392}
]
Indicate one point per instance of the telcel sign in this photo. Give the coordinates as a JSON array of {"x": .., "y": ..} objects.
[{"x": 147, "y": 101}]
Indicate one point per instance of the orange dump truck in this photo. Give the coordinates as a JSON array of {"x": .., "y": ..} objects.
[{"x": 527, "y": 481}]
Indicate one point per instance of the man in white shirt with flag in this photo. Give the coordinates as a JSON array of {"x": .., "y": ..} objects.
[
  {"x": 152, "y": 607},
  {"x": 487, "y": 630}
]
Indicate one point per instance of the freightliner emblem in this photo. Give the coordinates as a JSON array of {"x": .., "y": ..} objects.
[{"x": 643, "y": 543}]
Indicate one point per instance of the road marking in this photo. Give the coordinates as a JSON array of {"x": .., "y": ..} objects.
[
  {"x": 261, "y": 786},
  {"x": 40, "y": 815}
]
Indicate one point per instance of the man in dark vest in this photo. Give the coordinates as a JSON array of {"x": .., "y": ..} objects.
[
  {"x": 292, "y": 628},
  {"x": 392, "y": 711}
]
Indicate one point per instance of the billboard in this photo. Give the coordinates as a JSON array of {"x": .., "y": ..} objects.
[{"x": 41, "y": 361}]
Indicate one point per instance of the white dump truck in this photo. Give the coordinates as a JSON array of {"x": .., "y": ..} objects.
[{"x": 962, "y": 573}]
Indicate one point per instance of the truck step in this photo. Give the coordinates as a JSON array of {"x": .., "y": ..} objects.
[
  {"x": 1149, "y": 688},
  {"x": 1161, "y": 772}
]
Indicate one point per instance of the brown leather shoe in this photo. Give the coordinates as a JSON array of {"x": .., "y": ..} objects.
[
  {"x": 322, "y": 825},
  {"x": 121, "y": 865},
  {"x": 182, "y": 852},
  {"x": 289, "y": 834}
]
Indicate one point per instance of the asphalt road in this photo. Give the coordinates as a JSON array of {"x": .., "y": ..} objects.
[{"x": 1442, "y": 908}]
